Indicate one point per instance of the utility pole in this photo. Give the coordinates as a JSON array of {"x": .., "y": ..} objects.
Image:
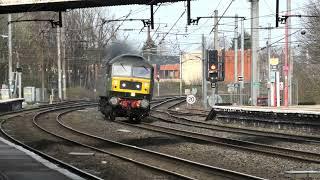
[
  {"x": 242, "y": 61},
  {"x": 216, "y": 47},
  {"x": 19, "y": 84},
  {"x": 270, "y": 72},
  {"x": 236, "y": 53},
  {"x": 149, "y": 44},
  {"x": 42, "y": 71},
  {"x": 180, "y": 92},
  {"x": 204, "y": 80},
  {"x": 255, "y": 83},
  {"x": 63, "y": 45},
  {"x": 290, "y": 59},
  {"x": 59, "y": 61},
  {"x": 216, "y": 38},
  {"x": 278, "y": 88},
  {"x": 10, "y": 54},
  {"x": 286, "y": 67}
]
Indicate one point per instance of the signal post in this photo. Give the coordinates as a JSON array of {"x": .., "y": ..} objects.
[{"x": 215, "y": 69}]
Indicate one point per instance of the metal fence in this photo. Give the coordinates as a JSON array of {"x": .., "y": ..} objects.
[
  {"x": 235, "y": 98},
  {"x": 172, "y": 88}
]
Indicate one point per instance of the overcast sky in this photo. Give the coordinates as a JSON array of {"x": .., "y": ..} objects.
[{"x": 168, "y": 14}]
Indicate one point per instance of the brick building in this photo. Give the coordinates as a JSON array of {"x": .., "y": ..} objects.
[
  {"x": 229, "y": 66},
  {"x": 192, "y": 68}
]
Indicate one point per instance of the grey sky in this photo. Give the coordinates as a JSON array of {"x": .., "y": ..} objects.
[{"x": 169, "y": 13}]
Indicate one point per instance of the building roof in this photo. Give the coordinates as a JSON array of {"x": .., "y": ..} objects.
[
  {"x": 164, "y": 59},
  {"x": 17, "y": 6}
]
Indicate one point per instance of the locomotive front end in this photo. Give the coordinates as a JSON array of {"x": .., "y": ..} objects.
[{"x": 129, "y": 88}]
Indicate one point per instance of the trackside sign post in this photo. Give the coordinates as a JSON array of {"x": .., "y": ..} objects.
[{"x": 191, "y": 99}]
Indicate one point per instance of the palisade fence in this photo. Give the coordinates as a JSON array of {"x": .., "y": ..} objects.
[
  {"x": 229, "y": 97},
  {"x": 235, "y": 98}
]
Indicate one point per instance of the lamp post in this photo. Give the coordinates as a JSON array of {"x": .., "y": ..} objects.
[
  {"x": 180, "y": 74},
  {"x": 10, "y": 53},
  {"x": 10, "y": 63}
]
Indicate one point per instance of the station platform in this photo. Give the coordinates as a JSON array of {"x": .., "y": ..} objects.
[
  {"x": 11, "y": 104},
  {"x": 302, "y": 114},
  {"x": 301, "y": 109},
  {"x": 17, "y": 163}
]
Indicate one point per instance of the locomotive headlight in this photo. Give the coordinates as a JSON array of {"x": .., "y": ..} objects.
[
  {"x": 114, "y": 101},
  {"x": 144, "y": 103},
  {"x": 123, "y": 85},
  {"x": 138, "y": 86},
  {"x": 146, "y": 85},
  {"x": 115, "y": 82}
]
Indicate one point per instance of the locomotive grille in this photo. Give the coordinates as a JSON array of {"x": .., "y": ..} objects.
[{"x": 130, "y": 85}]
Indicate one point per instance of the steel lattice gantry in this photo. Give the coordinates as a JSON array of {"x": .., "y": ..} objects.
[{"x": 17, "y": 6}]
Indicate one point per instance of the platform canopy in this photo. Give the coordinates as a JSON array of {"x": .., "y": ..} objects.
[{"x": 17, "y": 6}]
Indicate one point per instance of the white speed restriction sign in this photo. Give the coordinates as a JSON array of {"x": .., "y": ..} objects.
[{"x": 191, "y": 99}]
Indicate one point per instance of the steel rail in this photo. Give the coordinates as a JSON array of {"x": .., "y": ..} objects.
[
  {"x": 103, "y": 151},
  {"x": 277, "y": 135},
  {"x": 256, "y": 147},
  {"x": 48, "y": 157},
  {"x": 238, "y": 144},
  {"x": 216, "y": 127},
  {"x": 202, "y": 170},
  {"x": 42, "y": 107}
]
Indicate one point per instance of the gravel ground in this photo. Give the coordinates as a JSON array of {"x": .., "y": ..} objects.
[
  {"x": 164, "y": 107},
  {"x": 307, "y": 147},
  {"x": 304, "y": 131},
  {"x": 102, "y": 165},
  {"x": 92, "y": 121}
]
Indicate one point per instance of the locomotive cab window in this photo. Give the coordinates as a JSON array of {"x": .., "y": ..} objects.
[
  {"x": 121, "y": 70},
  {"x": 141, "y": 72}
]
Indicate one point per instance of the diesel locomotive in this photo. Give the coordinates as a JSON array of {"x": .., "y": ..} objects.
[{"x": 129, "y": 88}]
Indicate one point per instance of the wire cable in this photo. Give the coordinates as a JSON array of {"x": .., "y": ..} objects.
[
  {"x": 221, "y": 17},
  {"x": 172, "y": 26},
  {"x": 280, "y": 40}
]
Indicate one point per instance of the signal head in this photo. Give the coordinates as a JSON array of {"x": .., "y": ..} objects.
[{"x": 213, "y": 67}]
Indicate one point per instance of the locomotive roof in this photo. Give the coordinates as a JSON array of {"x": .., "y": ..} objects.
[{"x": 131, "y": 60}]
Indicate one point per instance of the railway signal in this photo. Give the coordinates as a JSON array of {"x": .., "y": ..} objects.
[{"x": 213, "y": 66}]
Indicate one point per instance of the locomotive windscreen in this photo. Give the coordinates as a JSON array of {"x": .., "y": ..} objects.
[
  {"x": 141, "y": 72},
  {"x": 128, "y": 70}
]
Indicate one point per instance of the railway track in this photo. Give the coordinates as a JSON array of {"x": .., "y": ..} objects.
[
  {"x": 221, "y": 128},
  {"x": 249, "y": 118},
  {"x": 174, "y": 166},
  {"x": 233, "y": 143},
  {"x": 158, "y": 161},
  {"x": 206, "y": 125},
  {"x": 178, "y": 167},
  {"x": 41, "y": 109},
  {"x": 12, "y": 114}
]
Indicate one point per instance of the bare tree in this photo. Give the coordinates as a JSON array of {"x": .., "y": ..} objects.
[
  {"x": 86, "y": 37},
  {"x": 307, "y": 59}
]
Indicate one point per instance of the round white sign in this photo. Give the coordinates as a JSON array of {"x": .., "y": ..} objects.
[{"x": 191, "y": 99}]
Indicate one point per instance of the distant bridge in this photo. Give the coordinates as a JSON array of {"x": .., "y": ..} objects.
[{"x": 18, "y": 6}]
